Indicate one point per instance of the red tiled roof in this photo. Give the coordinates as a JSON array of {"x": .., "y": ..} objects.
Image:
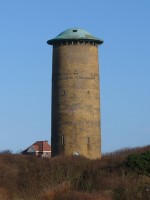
[{"x": 39, "y": 146}]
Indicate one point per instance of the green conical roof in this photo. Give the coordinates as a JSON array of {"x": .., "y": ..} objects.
[{"x": 74, "y": 34}]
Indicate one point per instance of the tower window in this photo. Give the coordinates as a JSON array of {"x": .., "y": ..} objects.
[
  {"x": 75, "y": 30},
  {"x": 63, "y": 92},
  {"x": 88, "y": 140},
  {"x": 62, "y": 140}
]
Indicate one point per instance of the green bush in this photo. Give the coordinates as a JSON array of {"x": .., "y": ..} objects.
[{"x": 139, "y": 163}]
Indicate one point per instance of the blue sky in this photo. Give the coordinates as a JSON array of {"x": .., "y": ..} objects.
[{"x": 25, "y": 67}]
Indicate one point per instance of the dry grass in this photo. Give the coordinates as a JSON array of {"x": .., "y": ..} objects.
[
  {"x": 64, "y": 191},
  {"x": 64, "y": 178}
]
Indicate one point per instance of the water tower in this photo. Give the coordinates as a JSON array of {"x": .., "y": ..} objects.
[{"x": 75, "y": 94}]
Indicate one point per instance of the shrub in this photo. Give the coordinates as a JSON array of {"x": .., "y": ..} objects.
[{"x": 139, "y": 163}]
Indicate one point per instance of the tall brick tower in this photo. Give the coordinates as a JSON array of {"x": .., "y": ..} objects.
[{"x": 75, "y": 94}]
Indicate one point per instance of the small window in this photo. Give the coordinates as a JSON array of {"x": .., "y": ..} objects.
[
  {"x": 62, "y": 140},
  {"x": 88, "y": 140},
  {"x": 63, "y": 92},
  {"x": 75, "y": 30}
]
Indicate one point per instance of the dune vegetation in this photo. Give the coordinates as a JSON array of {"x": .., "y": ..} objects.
[{"x": 121, "y": 175}]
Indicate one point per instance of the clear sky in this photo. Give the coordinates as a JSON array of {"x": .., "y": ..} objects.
[{"x": 26, "y": 60}]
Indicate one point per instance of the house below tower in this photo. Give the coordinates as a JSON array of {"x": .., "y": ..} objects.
[{"x": 40, "y": 148}]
